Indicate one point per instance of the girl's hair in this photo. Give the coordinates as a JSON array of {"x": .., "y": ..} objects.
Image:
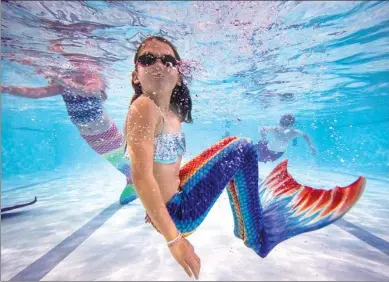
[{"x": 180, "y": 101}]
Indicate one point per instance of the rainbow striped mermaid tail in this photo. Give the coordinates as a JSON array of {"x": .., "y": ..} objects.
[
  {"x": 110, "y": 145},
  {"x": 290, "y": 208}
]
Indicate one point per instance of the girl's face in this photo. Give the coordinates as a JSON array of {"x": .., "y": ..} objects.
[{"x": 156, "y": 69}]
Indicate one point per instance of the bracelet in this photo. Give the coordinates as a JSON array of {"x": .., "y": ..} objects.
[{"x": 174, "y": 240}]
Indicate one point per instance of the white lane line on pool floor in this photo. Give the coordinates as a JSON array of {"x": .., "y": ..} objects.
[{"x": 42, "y": 266}]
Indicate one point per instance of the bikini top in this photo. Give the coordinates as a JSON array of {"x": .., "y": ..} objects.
[{"x": 168, "y": 147}]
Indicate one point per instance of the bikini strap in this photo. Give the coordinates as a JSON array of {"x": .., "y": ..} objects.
[
  {"x": 163, "y": 121},
  {"x": 163, "y": 125}
]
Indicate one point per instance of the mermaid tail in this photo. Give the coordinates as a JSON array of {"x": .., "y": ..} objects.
[
  {"x": 107, "y": 142},
  {"x": 110, "y": 144},
  {"x": 290, "y": 208},
  {"x": 117, "y": 159},
  {"x": 280, "y": 209}
]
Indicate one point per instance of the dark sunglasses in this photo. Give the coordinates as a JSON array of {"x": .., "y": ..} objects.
[{"x": 149, "y": 59}]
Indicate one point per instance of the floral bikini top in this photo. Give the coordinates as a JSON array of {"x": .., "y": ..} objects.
[{"x": 168, "y": 147}]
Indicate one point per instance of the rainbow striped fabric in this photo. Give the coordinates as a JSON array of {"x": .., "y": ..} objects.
[{"x": 263, "y": 217}]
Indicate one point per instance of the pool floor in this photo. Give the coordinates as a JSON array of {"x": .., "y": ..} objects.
[{"x": 78, "y": 231}]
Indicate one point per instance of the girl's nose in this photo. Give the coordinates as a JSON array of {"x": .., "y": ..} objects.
[{"x": 158, "y": 62}]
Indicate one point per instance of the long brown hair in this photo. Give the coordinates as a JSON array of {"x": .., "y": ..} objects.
[{"x": 180, "y": 101}]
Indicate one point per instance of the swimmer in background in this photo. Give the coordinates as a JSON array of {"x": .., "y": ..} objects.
[
  {"x": 83, "y": 91},
  {"x": 282, "y": 135}
]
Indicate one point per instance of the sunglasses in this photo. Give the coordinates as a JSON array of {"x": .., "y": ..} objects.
[{"x": 149, "y": 59}]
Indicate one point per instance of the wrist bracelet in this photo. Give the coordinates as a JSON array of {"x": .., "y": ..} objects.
[{"x": 174, "y": 240}]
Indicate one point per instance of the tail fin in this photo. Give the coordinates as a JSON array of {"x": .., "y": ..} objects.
[
  {"x": 128, "y": 195},
  {"x": 290, "y": 208}
]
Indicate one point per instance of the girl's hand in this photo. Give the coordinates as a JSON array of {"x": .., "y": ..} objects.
[{"x": 183, "y": 252}]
